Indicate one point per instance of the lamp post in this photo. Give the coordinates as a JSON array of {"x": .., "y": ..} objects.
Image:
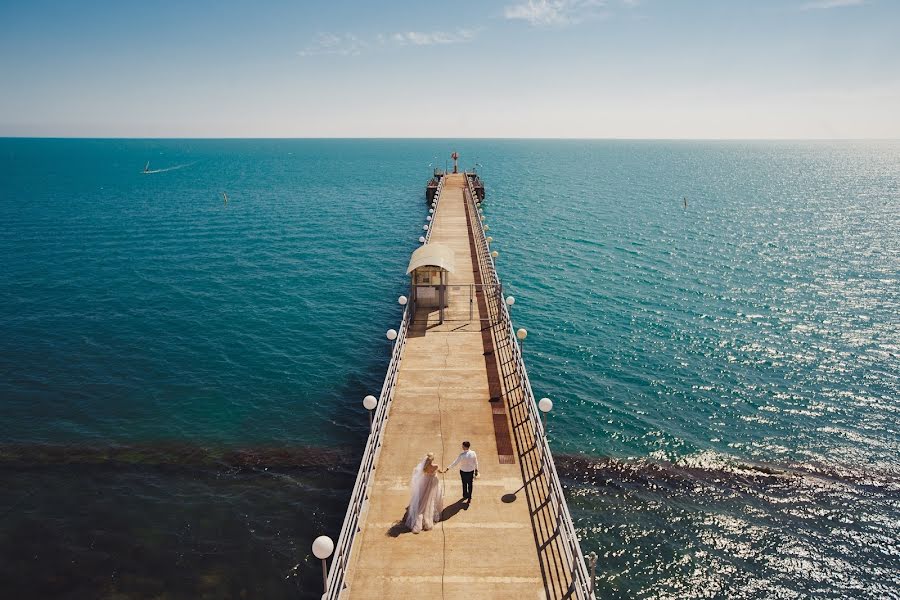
[
  {"x": 370, "y": 402},
  {"x": 495, "y": 254},
  {"x": 545, "y": 405},
  {"x": 592, "y": 561},
  {"x": 521, "y": 334},
  {"x": 322, "y": 547}
]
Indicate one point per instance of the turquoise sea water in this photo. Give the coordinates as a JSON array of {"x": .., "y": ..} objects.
[{"x": 181, "y": 378}]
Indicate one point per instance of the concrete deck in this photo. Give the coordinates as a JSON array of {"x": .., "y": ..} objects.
[{"x": 442, "y": 397}]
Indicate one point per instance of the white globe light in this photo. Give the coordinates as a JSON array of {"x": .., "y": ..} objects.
[
  {"x": 431, "y": 210},
  {"x": 489, "y": 239},
  {"x": 428, "y": 217},
  {"x": 370, "y": 402},
  {"x": 495, "y": 254},
  {"x": 422, "y": 239},
  {"x": 487, "y": 227},
  {"x": 510, "y": 300},
  {"x": 522, "y": 334},
  {"x": 322, "y": 547},
  {"x": 391, "y": 334},
  {"x": 482, "y": 217},
  {"x": 425, "y": 227},
  {"x": 402, "y": 300},
  {"x": 545, "y": 404}
]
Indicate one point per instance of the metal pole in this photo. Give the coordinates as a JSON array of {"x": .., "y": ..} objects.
[
  {"x": 370, "y": 421},
  {"x": 441, "y": 295},
  {"x": 592, "y": 557},
  {"x": 325, "y": 574}
]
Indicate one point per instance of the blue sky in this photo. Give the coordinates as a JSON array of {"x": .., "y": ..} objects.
[{"x": 510, "y": 68}]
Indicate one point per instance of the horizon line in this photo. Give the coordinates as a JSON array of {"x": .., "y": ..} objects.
[{"x": 547, "y": 138}]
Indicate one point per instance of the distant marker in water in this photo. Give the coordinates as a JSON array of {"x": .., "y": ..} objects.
[
  {"x": 225, "y": 197},
  {"x": 685, "y": 203}
]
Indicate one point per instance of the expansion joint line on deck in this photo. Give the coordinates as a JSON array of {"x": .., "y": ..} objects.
[{"x": 443, "y": 478}]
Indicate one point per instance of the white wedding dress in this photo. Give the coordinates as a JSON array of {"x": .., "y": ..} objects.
[{"x": 426, "y": 500}]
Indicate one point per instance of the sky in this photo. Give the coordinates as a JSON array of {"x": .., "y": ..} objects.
[{"x": 684, "y": 69}]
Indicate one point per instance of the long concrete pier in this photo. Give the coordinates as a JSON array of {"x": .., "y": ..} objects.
[{"x": 452, "y": 380}]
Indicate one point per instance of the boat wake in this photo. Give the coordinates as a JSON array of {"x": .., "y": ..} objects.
[{"x": 148, "y": 171}]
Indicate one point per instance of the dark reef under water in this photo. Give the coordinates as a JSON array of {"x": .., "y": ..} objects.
[{"x": 186, "y": 521}]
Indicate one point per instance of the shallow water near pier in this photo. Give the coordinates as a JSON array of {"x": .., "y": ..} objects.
[{"x": 181, "y": 378}]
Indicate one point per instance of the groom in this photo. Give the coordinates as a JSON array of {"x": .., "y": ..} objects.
[{"x": 468, "y": 469}]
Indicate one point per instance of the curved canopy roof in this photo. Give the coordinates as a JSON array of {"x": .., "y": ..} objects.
[{"x": 432, "y": 255}]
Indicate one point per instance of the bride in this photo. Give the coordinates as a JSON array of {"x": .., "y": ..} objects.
[{"x": 425, "y": 504}]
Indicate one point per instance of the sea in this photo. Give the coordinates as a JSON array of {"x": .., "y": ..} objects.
[{"x": 181, "y": 375}]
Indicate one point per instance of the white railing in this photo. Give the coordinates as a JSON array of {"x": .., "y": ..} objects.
[
  {"x": 359, "y": 498},
  {"x": 436, "y": 202},
  {"x": 581, "y": 582}
]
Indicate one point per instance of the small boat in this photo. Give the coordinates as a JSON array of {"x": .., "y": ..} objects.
[{"x": 147, "y": 167}]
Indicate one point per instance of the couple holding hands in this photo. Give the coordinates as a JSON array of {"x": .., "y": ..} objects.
[{"x": 426, "y": 500}]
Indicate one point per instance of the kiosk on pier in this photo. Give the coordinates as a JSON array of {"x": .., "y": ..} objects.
[{"x": 429, "y": 269}]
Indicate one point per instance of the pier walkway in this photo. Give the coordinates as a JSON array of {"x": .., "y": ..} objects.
[{"x": 450, "y": 382}]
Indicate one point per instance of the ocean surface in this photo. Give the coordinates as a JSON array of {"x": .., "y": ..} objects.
[{"x": 718, "y": 324}]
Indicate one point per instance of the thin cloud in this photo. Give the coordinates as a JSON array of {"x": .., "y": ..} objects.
[
  {"x": 341, "y": 44},
  {"x": 418, "y": 38},
  {"x": 824, "y": 4},
  {"x": 348, "y": 44},
  {"x": 554, "y": 12}
]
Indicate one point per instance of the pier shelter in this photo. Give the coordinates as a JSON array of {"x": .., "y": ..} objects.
[{"x": 430, "y": 267}]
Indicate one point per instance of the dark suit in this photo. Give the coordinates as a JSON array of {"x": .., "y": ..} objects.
[{"x": 467, "y": 478}]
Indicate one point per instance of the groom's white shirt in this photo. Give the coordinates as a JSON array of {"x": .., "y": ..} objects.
[{"x": 468, "y": 461}]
